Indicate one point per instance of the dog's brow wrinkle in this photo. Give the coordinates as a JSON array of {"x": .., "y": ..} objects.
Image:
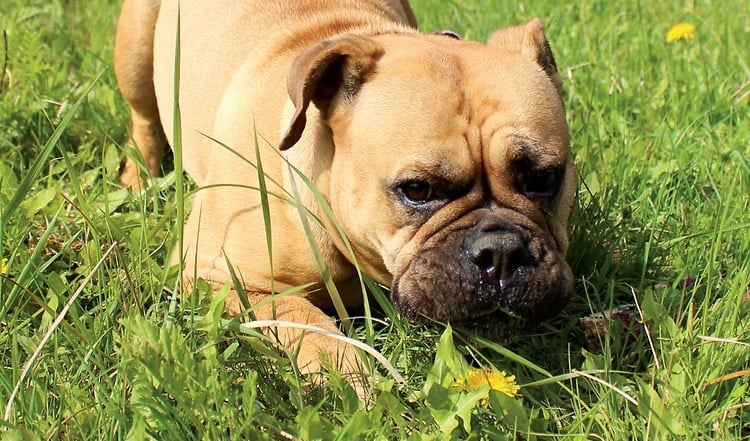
[
  {"x": 525, "y": 148},
  {"x": 524, "y": 141}
]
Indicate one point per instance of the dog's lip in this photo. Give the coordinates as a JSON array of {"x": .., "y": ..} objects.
[
  {"x": 497, "y": 310},
  {"x": 496, "y": 324}
]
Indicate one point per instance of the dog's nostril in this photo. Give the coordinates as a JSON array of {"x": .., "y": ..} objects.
[
  {"x": 485, "y": 258},
  {"x": 515, "y": 259},
  {"x": 499, "y": 255}
]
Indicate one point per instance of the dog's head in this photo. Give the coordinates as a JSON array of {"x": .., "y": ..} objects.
[{"x": 451, "y": 172}]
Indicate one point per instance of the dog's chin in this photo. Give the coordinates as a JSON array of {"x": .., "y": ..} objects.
[
  {"x": 495, "y": 325},
  {"x": 498, "y": 326}
]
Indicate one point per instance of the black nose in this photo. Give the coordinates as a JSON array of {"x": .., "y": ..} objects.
[{"x": 499, "y": 254}]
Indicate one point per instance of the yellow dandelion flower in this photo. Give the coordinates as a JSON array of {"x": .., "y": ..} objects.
[
  {"x": 680, "y": 31},
  {"x": 496, "y": 380},
  {"x": 4, "y": 266}
]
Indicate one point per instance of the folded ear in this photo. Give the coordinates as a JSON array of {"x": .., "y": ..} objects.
[
  {"x": 530, "y": 40},
  {"x": 332, "y": 69}
]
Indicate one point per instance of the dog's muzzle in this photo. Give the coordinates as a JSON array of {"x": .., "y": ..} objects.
[{"x": 490, "y": 273}]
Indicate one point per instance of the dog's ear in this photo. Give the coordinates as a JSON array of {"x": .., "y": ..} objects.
[
  {"x": 332, "y": 69},
  {"x": 530, "y": 40}
]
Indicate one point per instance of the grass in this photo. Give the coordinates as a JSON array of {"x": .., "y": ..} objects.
[{"x": 661, "y": 133}]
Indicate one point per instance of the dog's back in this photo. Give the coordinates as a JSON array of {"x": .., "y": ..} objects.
[{"x": 248, "y": 41}]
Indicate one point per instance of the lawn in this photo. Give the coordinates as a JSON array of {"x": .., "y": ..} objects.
[{"x": 96, "y": 341}]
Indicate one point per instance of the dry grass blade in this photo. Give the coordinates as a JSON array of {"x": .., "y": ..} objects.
[
  {"x": 358, "y": 344},
  {"x": 30, "y": 362},
  {"x": 4, "y": 69},
  {"x": 733, "y": 340},
  {"x": 645, "y": 328},
  {"x": 609, "y": 385}
]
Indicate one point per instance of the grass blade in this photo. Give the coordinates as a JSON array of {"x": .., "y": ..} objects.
[{"x": 42, "y": 159}]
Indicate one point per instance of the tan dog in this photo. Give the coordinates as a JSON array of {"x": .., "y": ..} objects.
[{"x": 446, "y": 163}]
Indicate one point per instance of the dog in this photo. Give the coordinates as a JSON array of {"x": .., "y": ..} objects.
[{"x": 446, "y": 163}]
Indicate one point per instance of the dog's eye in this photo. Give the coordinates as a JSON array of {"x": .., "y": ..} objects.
[
  {"x": 543, "y": 183},
  {"x": 416, "y": 192}
]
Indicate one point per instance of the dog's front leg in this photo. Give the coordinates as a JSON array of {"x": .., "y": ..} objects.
[{"x": 313, "y": 350}]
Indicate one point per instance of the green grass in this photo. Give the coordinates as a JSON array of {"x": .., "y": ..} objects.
[{"x": 661, "y": 134}]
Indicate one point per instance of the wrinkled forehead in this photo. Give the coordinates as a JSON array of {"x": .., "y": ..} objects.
[
  {"x": 462, "y": 87},
  {"x": 510, "y": 92}
]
